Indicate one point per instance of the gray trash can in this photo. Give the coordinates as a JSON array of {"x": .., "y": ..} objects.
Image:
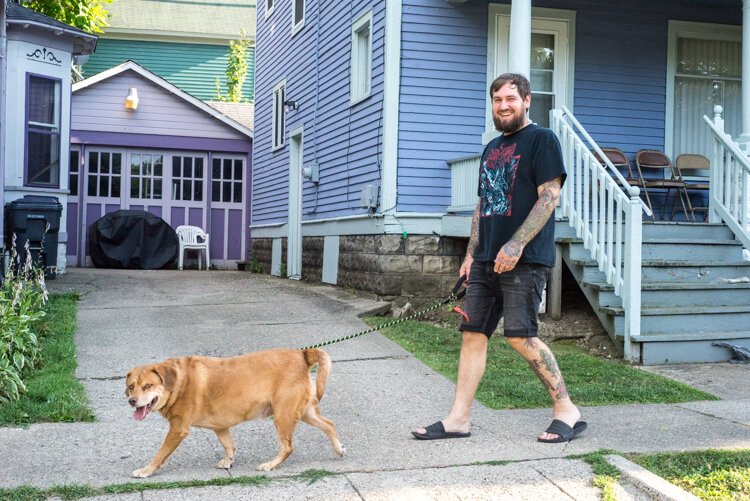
[{"x": 36, "y": 219}]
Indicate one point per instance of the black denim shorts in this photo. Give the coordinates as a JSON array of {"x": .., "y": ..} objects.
[{"x": 514, "y": 295}]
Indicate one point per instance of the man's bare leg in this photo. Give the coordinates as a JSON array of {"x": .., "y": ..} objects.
[
  {"x": 471, "y": 364},
  {"x": 543, "y": 363}
]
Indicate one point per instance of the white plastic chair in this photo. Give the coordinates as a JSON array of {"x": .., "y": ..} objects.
[{"x": 193, "y": 238}]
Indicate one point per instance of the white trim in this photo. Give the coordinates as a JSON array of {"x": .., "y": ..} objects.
[
  {"x": 268, "y": 11},
  {"x": 294, "y": 214},
  {"x": 411, "y": 222},
  {"x": 709, "y": 31},
  {"x": 156, "y": 79},
  {"x": 276, "y": 110},
  {"x": 139, "y": 35},
  {"x": 301, "y": 24},
  {"x": 537, "y": 15},
  {"x": 391, "y": 99},
  {"x": 358, "y": 65}
]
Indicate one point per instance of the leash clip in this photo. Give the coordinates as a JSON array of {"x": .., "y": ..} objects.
[{"x": 457, "y": 292}]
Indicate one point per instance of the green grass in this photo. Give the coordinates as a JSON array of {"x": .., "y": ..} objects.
[
  {"x": 54, "y": 394},
  {"x": 606, "y": 476},
  {"x": 509, "y": 383},
  {"x": 715, "y": 475},
  {"x": 69, "y": 492}
]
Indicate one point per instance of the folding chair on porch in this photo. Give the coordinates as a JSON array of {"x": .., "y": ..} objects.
[
  {"x": 696, "y": 168},
  {"x": 655, "y": 163}
]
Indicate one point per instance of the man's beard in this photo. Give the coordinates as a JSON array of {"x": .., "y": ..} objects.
[{"x": 507, "y": 127}]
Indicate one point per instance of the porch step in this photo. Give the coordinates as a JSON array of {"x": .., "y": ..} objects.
[
  {"x": 669, "y": 249},
  {"x": 677, "y": 230},
  {"x": 687, "y": 350},
  {"x": 669, "y": 294},
  {"x": 681, "y": 319},
  {"x": 694, "y": 271}
]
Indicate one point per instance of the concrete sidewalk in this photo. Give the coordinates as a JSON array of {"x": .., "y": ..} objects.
[{"x": 376, "y": 394}]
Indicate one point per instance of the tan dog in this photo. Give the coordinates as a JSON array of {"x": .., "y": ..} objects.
[{"x": 218, "y": 393}]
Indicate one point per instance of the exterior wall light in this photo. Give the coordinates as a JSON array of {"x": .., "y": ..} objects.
[
  {"x": 290, "y": 105},
  {"x": 131, "y": 102}
]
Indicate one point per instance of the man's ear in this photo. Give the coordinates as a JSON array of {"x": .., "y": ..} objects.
[{"x": 168, "y": 375}]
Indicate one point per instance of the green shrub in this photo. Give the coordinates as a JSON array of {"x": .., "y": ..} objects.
[
  {"x": 22, "y": 297},
  {"x": 255, "y": 266}
]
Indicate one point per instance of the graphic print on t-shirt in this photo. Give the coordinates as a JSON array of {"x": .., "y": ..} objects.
[{"x": 496, "y": 180}]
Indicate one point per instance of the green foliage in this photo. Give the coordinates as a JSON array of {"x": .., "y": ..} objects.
[
  {"x": 87, "y": 15},
  {"x": 53, "y": 392},
  {"x": 255, "y": 266},
  {"x": 606, "y": 475},
  {"x": 715, "y": 475},
  {"x": 236, "y": 71},
  {"x": 509, "y": 383},
  {"x": 23, "y": 294},
  {"x": 282, "y": 270},
  {"x": 312, "y": 476}
]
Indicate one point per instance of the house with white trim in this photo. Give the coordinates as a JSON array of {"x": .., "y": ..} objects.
[
  {"x": 37, "y": 52},
  {"x": 370, "y": 119},
  {"x": 140, "y": 142}
]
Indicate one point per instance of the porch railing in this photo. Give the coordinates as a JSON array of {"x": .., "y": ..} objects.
[
  {"x": 606, "y": 215},
  {"x": 730, "y": 171}
]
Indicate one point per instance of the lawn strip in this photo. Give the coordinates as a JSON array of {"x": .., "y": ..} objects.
[{"x": 509, "y": 383}]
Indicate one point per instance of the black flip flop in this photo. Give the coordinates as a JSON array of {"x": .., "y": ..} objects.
[
  {"x": 563, "y": 431},
  {"x": 436, "y": 431}
]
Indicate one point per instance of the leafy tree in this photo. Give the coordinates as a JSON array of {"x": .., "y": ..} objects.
[
  {"x": 87, "y": 15},
  {"x": 236, "y": 70}
]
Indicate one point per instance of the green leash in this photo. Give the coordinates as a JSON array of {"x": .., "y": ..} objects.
[{"x": 455, "y": 295}]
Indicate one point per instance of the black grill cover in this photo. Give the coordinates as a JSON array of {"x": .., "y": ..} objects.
[{"x": 132, "y": 239}]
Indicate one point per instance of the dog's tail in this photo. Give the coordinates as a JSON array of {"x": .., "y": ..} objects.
[{"x": 313, "y": 356}]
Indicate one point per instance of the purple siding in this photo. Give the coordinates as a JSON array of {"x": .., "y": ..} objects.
[
  {"x": 178, "y": 216},
  {"x": 72, "y": 229},
  {"x": 160, "y": 141},
  {"x": 217, "y": 233},
  {"x": 234, "y": 242},
  {"x": 136, "y": 207},
  {"x": 195, "y": 217}
]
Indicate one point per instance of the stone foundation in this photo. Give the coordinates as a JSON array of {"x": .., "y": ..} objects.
[{"x": 387, "y": 265}]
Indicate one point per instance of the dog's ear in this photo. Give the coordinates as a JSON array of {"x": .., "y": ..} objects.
[
  {"x": 127, "y": 392},
  {"x": 168, "y": 375}
]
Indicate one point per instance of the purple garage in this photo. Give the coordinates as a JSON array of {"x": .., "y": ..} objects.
[{"x": 139, "y": 142}]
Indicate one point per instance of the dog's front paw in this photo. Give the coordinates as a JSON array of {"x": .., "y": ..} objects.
[
  {"x": 225, "y": 463},
  {"x": 142, "y": 472},
  {"x": 265, "y": 466},
  {"x": 341, "y": 451}
]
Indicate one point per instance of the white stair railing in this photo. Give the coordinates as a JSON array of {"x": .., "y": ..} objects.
[
  {"x": 730, "y": 171},
  {"x": 606, "y": 215}
]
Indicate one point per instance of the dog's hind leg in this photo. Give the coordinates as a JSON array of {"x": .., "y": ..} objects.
[
  {"x": 226, "y": 441},
  {"x": 285, "y": 424},
  {"x": 313, "y": 417}
]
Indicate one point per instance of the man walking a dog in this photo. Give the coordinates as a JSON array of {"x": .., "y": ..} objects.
[{"x": 510, "y": 253}]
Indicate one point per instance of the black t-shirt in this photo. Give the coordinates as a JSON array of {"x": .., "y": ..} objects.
[{"x": 511, "y": 169}]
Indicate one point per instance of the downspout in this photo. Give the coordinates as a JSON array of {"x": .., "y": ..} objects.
[
  {"x": 3, "y": 66},
  {"x": 391, "y": 98}
]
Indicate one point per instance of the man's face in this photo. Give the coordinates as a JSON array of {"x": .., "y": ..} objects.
[{"x": 508, "y": 109}]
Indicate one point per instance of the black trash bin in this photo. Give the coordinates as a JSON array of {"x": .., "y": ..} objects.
[{"x": 29, "y": 217}]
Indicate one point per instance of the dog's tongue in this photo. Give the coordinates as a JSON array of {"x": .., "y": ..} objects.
[{"x": 140, "y": 412}]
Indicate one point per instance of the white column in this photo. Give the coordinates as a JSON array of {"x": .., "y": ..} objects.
[
  {"x": 744, "y": 138},
  {"x": 519, "y": 45},
  {"x": 391, "y": 97}
]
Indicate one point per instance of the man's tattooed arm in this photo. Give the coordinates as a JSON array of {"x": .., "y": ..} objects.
[
  {"x": 473, "y": 242},
  {"x": 510, "y": 253}
]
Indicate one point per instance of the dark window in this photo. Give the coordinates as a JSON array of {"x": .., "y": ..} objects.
[
  {"x": 43, "y": 132},
  {"x": 74, "y": 170},
  {"x": 227, "y": 180}
]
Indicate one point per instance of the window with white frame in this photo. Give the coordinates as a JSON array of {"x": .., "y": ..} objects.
[
  {"x": 104, "y": 174},
  {"x": 299, "y": 15},
  {"x": 146, "y": 172},
  {"x": 279, "y": 95},
  {"x": 226, "y": 179},
  {"x": 361, "y": 58},
  {"x": 187, "y": 178},
  {"x": 43, "y": 103},
  {"x": 74, "y": 171},
  {"x": 269, "y": 7}
]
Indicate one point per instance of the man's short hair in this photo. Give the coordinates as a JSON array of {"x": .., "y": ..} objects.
[{"x": 520, "y": 82}]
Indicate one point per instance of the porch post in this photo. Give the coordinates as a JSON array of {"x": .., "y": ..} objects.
[
  {"x": 744, "y": 138},
  {"x": 519, "y": 45}
]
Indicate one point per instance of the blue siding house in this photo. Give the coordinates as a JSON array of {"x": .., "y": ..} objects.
[{"x": 370, "y": 119}]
